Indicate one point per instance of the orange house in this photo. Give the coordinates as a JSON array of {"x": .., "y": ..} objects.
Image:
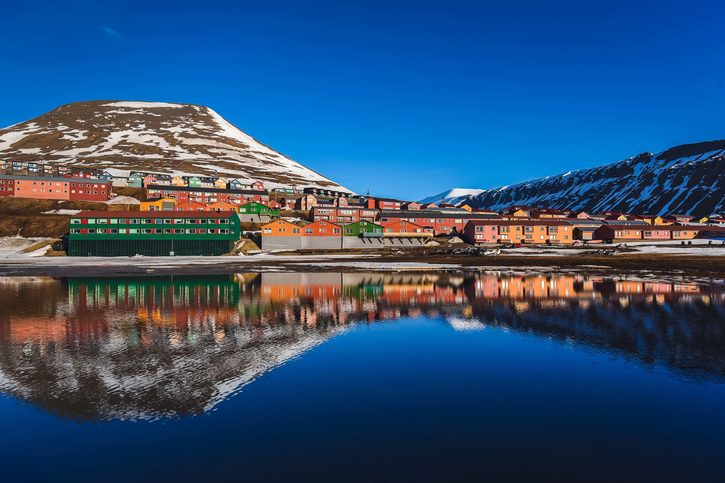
[
  {"x": 220, "y": 206},
  {"x": 322, "y": 228},
  {"x": 191, "y": 206},
  {"x": 162, "y": 204},
  {"x": 281, "y": 235},
  {"x": 404, "y": 228}
]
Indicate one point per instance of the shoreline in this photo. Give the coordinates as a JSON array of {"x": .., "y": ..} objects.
[{"x": 700, "y": 266}]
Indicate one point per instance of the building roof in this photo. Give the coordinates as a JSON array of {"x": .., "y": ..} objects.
[
  {"x": 205, "y": 189},
  {"x": 350, "y": 207},
  {"x": 154, "y": 214},
  {"x": 523, "y": 222},
  {"x": 54, "y": 178},
  {"x": 437, "y": 213}
]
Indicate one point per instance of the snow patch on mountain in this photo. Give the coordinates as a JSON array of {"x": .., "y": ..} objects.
[
  {"x": 686, "y": 179},
  {"x": 452, "y": 197},
  {"x": 158, "y": 137}
]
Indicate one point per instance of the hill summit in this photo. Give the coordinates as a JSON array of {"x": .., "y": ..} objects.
[{"x": 159, "y": 137}]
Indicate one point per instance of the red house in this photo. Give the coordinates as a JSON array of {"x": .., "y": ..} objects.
[
  {"x": 405, "y": 228},
  {"x": 349, "y": 214},
  {"x": 322, "y": 228},
  {"x": 206, "y": 195},
  {"x": 481, "y": 232},
  {"x": 55, "y": 188},
  {"x": 190, "y": 206}
]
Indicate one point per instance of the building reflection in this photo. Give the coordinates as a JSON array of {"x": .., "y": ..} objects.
[{"x": 147, "y": 347}]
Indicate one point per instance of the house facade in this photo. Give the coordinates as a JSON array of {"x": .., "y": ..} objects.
[
  {"x": 55, "y": 188},
  {"x": 151, "y": 233},
  {"x": 205, "y": 195}
]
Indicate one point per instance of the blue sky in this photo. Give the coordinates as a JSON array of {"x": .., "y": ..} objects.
[{"x": 404, "y": 98}]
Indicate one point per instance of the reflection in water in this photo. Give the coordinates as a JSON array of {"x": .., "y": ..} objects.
[{"x": 145, "y": 347}]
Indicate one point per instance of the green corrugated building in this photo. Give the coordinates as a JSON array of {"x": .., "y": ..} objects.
[
  {"x": 257, "y": 212},
  {"x": 152, "y": 233},
  {"x": 254, "y": 208},
  {"x": 362, "y": 228}
]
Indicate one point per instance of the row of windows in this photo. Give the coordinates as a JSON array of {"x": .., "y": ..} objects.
[
  {"x": 151, "y": 221},
  {"x": 150, "y": 231}
]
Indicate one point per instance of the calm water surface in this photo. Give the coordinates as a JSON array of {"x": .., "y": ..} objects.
[{"x": 361, "y": 377}]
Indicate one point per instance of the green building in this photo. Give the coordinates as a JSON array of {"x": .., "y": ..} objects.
[
  {"x": 152, "y": 233},
  {"x": 257, "y": 213},
  {"x": 135, "y": 181},
  {"x": 362, "y": 228},
  {"x": 254, "y": 208}
]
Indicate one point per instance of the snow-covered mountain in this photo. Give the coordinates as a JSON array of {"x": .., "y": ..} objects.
[
  {"x": 684, "y": 179},
  {"x": 152, "y": 136},
  {"x": 452, "y": 197}
]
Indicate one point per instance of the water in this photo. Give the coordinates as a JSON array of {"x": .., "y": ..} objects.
[{"x": 361, "y": 377}]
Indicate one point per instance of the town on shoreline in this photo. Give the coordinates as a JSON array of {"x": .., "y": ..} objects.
[{"x": 163, "y": 215}]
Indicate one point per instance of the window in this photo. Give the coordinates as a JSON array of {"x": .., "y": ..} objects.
[{"x": 75, "y": 221}]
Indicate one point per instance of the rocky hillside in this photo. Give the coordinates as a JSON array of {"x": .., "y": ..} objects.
[
  {"x": 152, "y": 136},
  {"x": 684, "y": 179}
]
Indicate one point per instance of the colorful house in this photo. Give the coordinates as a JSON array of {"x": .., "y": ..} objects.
[
  {"x": 221, "y": 206},
  {"x": 256, "y": 212},
  {"x": 677, "y": 218},
  {"x": 177, "y": 181},
  {"x": 149, "y": 179},
  {"x": 221, "y": 183},
  {"x": 411, "y": 205},
  {"x": 205, "y": 195},
  {"x": 54, "y": 188},
  {"x": 135, "y": 180},
  {"x": 237, "y": 184},
  {"x": 306, "y": 202},
  {"x": 190, "y": 206},
  {"x": 151, "y": 233},
  {"x": 281, "y": 235},
  {"x": 362, "y": 228},
  {"x": 162, "y": 204},
  {"x": 619, "y": 233},
  {"x": 193, "y": 181},
  {"x": 403, "y": 228}
]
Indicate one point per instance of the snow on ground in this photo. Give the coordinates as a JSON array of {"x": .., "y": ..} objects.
[
  {"x": 11, "y": 247},
  {"x": 62, "y": 211},
  {"x": 141, "y": 104},
  {"x": 123, "y": 200}
]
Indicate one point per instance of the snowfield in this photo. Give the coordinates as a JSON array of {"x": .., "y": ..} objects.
[
  {"x": 683, "y": 179},
  {"x": 156, "y": 137}
]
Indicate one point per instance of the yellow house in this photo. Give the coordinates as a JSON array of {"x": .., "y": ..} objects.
[
  {"x": 704, "y": 219},
  {"x": 177, "y": 181},
  {"x": 467, "y": 207},
  {"x": 220, "y": 183},
  {"x": 162, "y": 204},
  {"x": 520, "y": 213}
]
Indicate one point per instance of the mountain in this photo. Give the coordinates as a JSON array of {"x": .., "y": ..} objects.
[
  {"x": 158, "y": 137},
  {"x": 684, "y": 179},
  {"x": 452, "y": 197}
]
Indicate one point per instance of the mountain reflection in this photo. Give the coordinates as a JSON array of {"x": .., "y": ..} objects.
[{"x": 149, "y": 347}]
